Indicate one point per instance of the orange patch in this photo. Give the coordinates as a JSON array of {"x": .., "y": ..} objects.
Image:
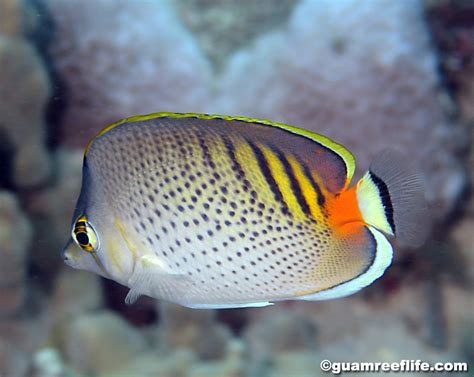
[{"x": 344, "y": 209}]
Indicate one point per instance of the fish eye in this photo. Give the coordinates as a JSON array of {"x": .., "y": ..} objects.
[
  {"x": 85, "y": 235},
  {"x": 82, "y": 238}
]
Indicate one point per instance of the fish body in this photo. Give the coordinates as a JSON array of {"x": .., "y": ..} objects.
[{"x": 216, "y": 212}]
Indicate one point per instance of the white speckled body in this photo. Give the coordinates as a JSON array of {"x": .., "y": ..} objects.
[{"x": 212, "y": 216}]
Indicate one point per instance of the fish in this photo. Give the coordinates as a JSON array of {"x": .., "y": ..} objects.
[{"x": 215, "y": 211}]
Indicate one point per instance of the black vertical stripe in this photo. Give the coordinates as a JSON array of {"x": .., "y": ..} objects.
[
  {"x": 295, "y": 185},
  {"x": 267, "y": 173},
  {"x": 205, "y": 150},
  {"x": 232, "y": 155},
  {"x": 385, "y": 197},
  {"x": 319, "y": 193}
]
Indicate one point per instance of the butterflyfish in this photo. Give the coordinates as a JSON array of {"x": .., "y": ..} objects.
[{"x": 212, "y": 211}]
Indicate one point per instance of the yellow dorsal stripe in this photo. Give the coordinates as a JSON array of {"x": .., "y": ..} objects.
[
  {"x": 307, "y": 188},
  {"x": 346, "y": 156},
  {"x": 283, "y": 181}
]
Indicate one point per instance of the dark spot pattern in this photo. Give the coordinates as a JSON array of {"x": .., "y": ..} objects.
[{"x": 186, "y": 194}]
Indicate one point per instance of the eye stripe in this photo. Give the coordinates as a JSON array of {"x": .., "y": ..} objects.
[{"x": 85, "y": 235}]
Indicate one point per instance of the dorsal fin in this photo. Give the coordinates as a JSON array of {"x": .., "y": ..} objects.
[{"x": 331, "y": 161}]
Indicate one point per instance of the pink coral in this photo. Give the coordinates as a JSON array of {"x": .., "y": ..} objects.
[
  {"x": 24, "y": 92},
  {"x": 362, "y": 73},
  {"x": 120, "y": 58}
]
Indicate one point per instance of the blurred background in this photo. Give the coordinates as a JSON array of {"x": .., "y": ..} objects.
[{"x": 370, "y": 74}]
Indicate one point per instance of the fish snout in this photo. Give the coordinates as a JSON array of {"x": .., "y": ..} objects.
[
  {"x": 66, "y": 254},
  {"x": 67, "y": 259}
]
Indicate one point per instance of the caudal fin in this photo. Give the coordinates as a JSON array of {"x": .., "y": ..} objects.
[{"x": 391, "y": 198}]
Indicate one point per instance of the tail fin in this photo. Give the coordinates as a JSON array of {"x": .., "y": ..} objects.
[{"x": 391, "y": 198}]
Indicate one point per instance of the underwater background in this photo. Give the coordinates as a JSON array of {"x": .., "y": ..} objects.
[{"x": 370, "y": 74}]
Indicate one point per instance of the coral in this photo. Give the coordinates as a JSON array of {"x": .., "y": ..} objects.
[
  {"x": 452, "y": 25},
  {"x": 27, "y": 329},
  {"x": 275, "y": 332},
  {"x": 466, "y": 95},
  {"x": 114, "y": 66},
  {"x": 232, "y": 366},
  {"x": 363, "y": 74},
  {"x": 177, "y": 364},
  {"x": 350, "y": 330},
  {"x": 48, "y": 363},
  {"x": 18, "y": 18},
  {"x": 76, "y": 292},
  {"x": 385, "y": 339},
  {"x": 15, "y": 238},
  {"x": 13, "y": 362},
  {"x": 458, "y": 312},
  {"x": 11, "y": 17},
  {"x": 100, "y": 342},
  {"x": 284, "y": 330},
  {"x": 464, "y": 238},
  {"x": 462, "y": 234},
  {"x": 294, "y": 363},
  {"x": 222, "y": 27},
  {"x": 12, "y": 299},
  {"x": 51, "y": 209},
  {"x": 467, "y": 342},
  {"x": 388, "y": 330},
  {"x": 184, "y": 362},
  {"x": 338, "y": 319},
  {"x": 197, "y": 330},
  {"x": 24, "y": 92}
]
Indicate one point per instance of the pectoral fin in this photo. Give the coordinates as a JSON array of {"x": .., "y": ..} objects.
[{"x": 150, "y": 277}]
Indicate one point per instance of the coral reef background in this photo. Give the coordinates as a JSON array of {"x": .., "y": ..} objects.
[{"x": 370, "y": 74}]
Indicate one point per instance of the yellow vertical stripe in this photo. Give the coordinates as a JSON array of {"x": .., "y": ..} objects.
[
  {"x": 249, "y": 163},
  {"x": 283, "y": 181},
  {"x": 307, "y": 188}
]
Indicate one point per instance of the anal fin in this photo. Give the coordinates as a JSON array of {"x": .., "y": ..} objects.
[{"x": 383, "y": 259}]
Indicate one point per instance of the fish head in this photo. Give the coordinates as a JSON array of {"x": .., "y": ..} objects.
[
  {"x": 98, "y": 247},
  {"x": 76, "y": 257},
  {"x": 85, "y": 249},
  {"x": 96, "y": 243}
]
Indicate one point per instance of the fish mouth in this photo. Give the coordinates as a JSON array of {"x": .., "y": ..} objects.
[
  {"x": 71, "y": 261},
  {"x": 64, "y": 254}
]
